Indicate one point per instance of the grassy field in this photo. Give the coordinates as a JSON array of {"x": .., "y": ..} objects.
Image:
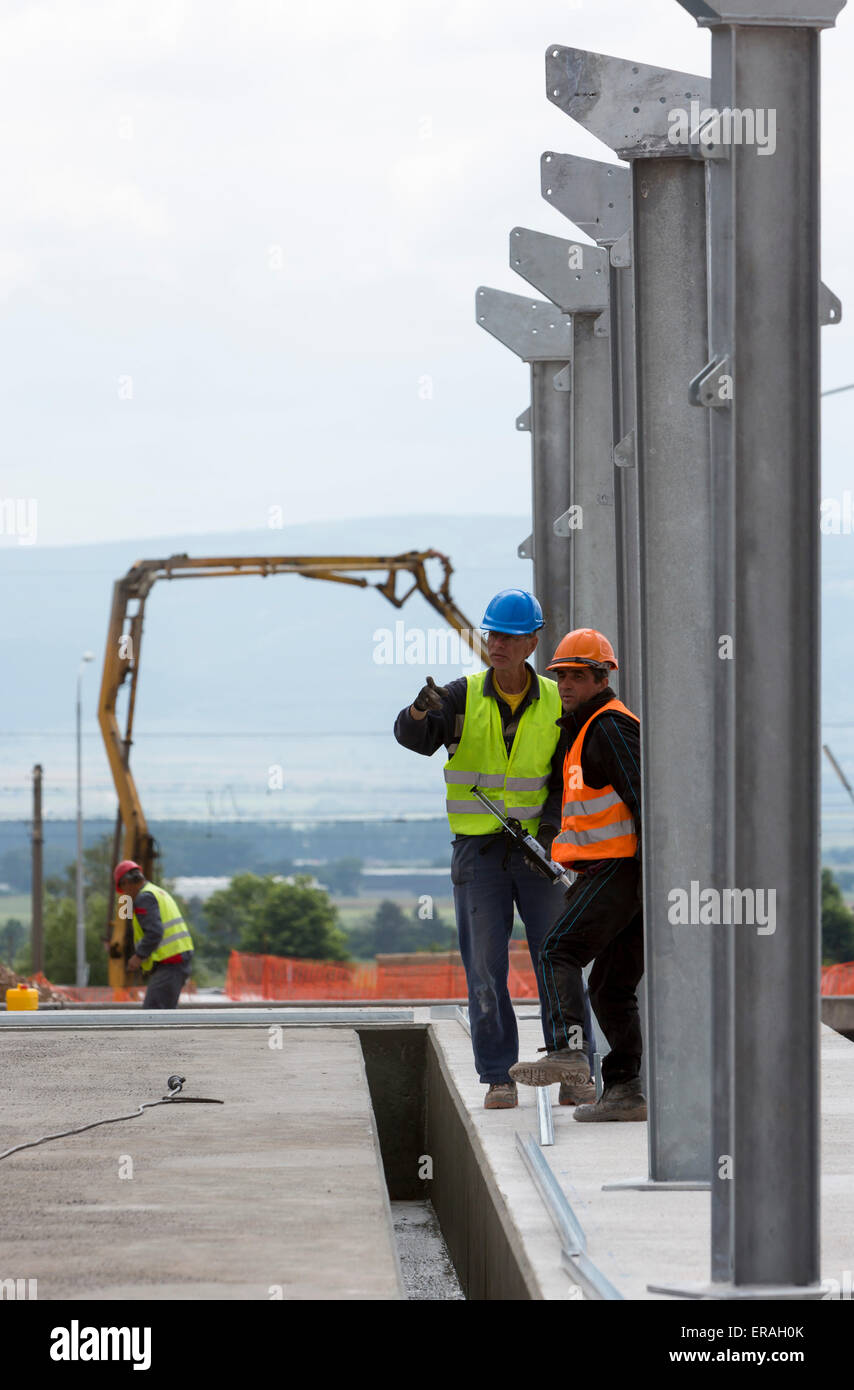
[{"x": 359, "y": 911}]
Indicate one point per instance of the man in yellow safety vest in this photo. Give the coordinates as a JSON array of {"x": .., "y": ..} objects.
[
  {"x": 163, "y": 947},
  {"x": 499, "y": 728}
]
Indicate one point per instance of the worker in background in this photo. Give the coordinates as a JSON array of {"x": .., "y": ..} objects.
[
  {"x": 163, "y": 947},
  {"x": 500, "y": 731},
  {"x": 600, "y": 839}
]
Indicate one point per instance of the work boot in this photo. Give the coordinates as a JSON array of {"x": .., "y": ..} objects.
[
  {"x": 578, "y": 1094},
  {"x": 623, "y": 1100},
  {"x": 569, "y": 1064},
  {"x": 501, "y": 1096}
]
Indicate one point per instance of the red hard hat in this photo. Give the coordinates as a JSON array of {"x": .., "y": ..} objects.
[
  {"x": 122, "y": 869},
  {"x": 583, "y": 647}
]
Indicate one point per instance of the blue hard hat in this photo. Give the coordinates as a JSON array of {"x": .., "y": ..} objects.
[{"x": 514, "y": 611}]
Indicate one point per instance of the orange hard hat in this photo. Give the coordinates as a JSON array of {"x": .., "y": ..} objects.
[
  {"x": 583, "y": 647},
  {"x": 122, "y": 869}
]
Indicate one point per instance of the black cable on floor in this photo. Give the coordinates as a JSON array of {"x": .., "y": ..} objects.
[{"x": 175, "y": 1084}]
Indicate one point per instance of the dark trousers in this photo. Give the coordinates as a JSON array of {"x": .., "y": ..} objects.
[
  {"x": 165, "y": 983},
  {"x": 603, "y": 922},
  {"x": 490, "y": 879}
]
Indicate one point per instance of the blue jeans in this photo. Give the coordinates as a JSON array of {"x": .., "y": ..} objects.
[{"x": 490, "y": 878}]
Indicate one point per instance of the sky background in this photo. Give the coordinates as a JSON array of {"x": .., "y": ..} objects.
[
  {"x": 239, "y": 248},
  {"x": 268, "y": 220}
]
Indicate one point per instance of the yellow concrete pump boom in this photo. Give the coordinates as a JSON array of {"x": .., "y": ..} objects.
[{"x": 121, "y": 660}]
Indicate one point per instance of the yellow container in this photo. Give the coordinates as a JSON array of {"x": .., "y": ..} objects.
[{"x": 22, "y": 997}]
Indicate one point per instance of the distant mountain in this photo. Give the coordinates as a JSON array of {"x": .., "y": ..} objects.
[
  {"x": 242, "y": 676},
  {"x": 239, "y": 675}
]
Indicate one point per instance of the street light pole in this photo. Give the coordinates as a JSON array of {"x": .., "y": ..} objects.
[{"x": 82, "y": 971}]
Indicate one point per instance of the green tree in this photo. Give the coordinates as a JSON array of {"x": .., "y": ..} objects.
[
  {"x": 837, "y": 922},
  {"x": 280, "y": 919},
  {"x": 391, "y": 932},
  {"x": 226, "y": 915},
  {"x": 60, "y": 941},
  {"x": 12, "y": 937},
  {"x": 391, "y": 929}
]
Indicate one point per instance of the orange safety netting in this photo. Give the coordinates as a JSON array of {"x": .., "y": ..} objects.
[
  {"x": 424, "y": 975},
  {"x": 838, "y": 979}
]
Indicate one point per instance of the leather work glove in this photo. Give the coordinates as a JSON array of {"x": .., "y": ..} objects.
[
  {"x": 429, "y": 696},
  {"x": 544, "y": 837}
]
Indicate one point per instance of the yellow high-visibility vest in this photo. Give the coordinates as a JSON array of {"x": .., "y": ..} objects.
[
  {"x": 176, "y": 934},
  {"x": 518, "y": 783}
]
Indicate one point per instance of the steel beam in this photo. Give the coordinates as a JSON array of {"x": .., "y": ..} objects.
[
  {"x": 627, "y": 105},
  {"x": 765, "y": 308},
  {"x": 541, "y": 335},
  {"x": 575, "y": 278},
  {"x": 596, "y": 197}
]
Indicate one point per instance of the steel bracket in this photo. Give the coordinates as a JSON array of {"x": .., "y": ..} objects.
[
  {"x": 629, "y": 106},
  {"x": 523, "y": 421},
  {"x": 802, "y": 14},
  {"x": 597, "y": 197},
  {"x": 525, "y": 549},
  {"x": 562, "y": 526},
  {"x": 621, "y": 252},
  {"x": 625, "y": 453},
  {"x": 829, "y": 307},
  {"x": 572, "y": 274},
  {"x": 705, "y": 139},
  {"x": 562, "y": 380},
  {"x": 532, "y": 328},
  {"x": 712, "y": 387}
]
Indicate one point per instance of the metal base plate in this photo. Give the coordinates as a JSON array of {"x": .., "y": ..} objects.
[
  {"x": 741, "y": 1292},
  {"x": 649, "y": 1185}
]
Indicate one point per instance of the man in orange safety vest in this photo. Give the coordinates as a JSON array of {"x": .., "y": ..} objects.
[{"x": 600, "y": 840}]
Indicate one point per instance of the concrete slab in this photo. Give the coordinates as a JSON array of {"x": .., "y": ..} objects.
[
  {"x": 278, "y": 1193},
  {"x": 637, "y": 1237}
]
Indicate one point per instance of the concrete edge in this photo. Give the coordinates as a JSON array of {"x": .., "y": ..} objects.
[
  {"x": 375, "y": 1139},
  {"x": 494, "y": 1264}
]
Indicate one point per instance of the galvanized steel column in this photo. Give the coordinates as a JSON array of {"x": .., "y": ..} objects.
[
  {"x": 597, "y": 198},
  {"x": 626, "y": 105},
  {"x": 763, "y": 386},
  {"x": 575, "y": 278},
  {"x": 538, "y": 333}
]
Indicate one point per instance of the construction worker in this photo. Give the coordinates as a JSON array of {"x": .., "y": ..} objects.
[
  {"x": 600, "y": 839},
  {"x": 500, "y": 731},
  {"x": 163, "y": 947}
]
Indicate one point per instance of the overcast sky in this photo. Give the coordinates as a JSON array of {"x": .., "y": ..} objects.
[{"x": 238, "y": 237}]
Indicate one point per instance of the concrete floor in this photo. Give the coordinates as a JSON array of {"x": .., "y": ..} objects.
[
  {"x": 638, "y": 1238},
  {"x": 277, "y": 1193}
]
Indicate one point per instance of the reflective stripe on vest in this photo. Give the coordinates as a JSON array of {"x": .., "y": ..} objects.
[
  {"x": 176, "y": 937},
  {"x": 596, "y": 822},
  {"x": 516, "y": 784}
]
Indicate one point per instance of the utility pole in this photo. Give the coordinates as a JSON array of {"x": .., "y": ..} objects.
[
  {"x": 82, "y": 967},
  {"x": 36, "y": 887}
]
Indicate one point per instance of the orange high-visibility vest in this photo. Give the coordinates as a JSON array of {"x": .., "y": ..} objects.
[{"x": 596, "y": 823}]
